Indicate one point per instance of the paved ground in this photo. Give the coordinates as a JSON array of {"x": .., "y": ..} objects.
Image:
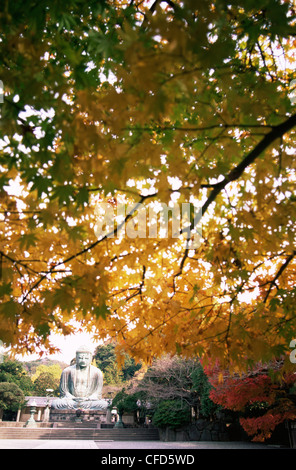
[{"x": 83, "y": 444}]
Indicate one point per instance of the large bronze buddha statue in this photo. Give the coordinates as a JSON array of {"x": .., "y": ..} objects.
[{"x": 81, "y": 385}]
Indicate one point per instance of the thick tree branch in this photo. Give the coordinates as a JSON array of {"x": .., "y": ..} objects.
[
  {"x": 276, "y": 133},
  {"x": 279, "y": 273}
]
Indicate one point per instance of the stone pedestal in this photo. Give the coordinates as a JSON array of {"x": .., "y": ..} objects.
[{"x": 78, "y": 416}]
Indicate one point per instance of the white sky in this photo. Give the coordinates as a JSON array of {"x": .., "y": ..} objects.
[{"x": 67, "y": 345}]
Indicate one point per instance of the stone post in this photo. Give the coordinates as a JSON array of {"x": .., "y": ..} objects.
[
  {"x": 46, "y": 414},
  {"x": 18, "y": 415},
  {"x": 108, "y": 416}
]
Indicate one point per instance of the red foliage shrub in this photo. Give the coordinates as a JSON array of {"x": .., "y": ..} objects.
[{"x": 255, "y": 391}]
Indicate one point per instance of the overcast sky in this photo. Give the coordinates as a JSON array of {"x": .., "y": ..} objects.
[{"x": 67, "y": 345}]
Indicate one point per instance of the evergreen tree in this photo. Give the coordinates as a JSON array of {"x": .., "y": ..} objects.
[
  {"x": 45, "y": 381},
  {"x": 12, "y": 371},
  {"x": 106, "y": 360},
  {"x": 11, "y": 397}
]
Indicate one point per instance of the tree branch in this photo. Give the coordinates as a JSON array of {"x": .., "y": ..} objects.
[
  {"x": 234, "y": 174},
  {"x": 276, "y": 133},
  {"x": 279, "y": 273},
  {"x": 85, "y": 250}
]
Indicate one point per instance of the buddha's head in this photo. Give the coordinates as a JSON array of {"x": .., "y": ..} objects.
[{"x": 83, "y": 357}]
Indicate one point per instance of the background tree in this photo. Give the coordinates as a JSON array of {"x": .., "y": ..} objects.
[
  {"x": 12, "y": 371},
  {"x": 170, "y": 378},
  {"x": 44, "y": 381},
  {"x": 11, "y": 397},
  {"x": 107, "y": 360},
  {"x": 139, "y": 103},
  {"x": 206, "y": 407},
  {"x": 126, "y": 403},
  {"x": 172, "y": 414},
  {"x": 32, "y": 366},
  {"x": 54, "y": 369}
]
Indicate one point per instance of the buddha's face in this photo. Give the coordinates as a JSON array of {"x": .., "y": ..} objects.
[{"x": 83, "y": 359}]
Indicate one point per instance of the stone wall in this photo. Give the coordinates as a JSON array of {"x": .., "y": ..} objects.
[
  {"x": 201, "y": 430},
  {"x": 99, "y": 416}
]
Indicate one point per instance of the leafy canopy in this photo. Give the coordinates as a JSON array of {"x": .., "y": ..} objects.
[
  {"x": 169, "y": 102},
  {"x": 106, "y": 361}
]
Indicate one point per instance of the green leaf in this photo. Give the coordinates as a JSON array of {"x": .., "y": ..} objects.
[
  {"x": 76, "y": 233},
  {"x": 64, "y": 194},
  {"x": 27, "y": 240},
  {"x": 82, "y": 197},
  {"x": 63, "y": 298},
  {"x": 5, "y": 289},
  {"x": 9, "y": 308},
  {"x": 42, "y": 184},
  {"x": 43, "y": 329},
  {"x": 101, "y": 311}
]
